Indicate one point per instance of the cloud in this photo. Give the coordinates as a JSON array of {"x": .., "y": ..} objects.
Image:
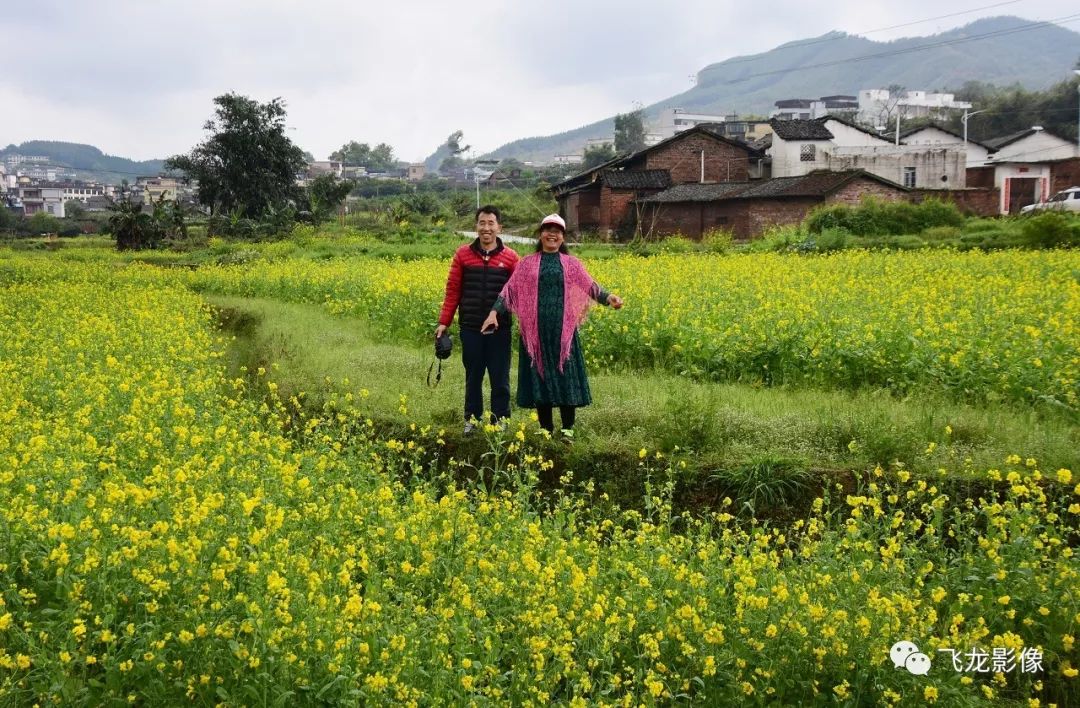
[{"x": 138, "y": 78}]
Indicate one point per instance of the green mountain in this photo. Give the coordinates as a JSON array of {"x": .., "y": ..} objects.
[
  {"x": 999, "y": 50},
  {"x": 86, "y": 161}
]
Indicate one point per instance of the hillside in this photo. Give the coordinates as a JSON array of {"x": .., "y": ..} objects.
[
  {"x": 999, "y": 50},
  {"x": 88, "y": 162}
]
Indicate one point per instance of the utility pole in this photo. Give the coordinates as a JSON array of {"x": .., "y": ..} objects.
[
  {"x": 1077, "y": 72},
  {"x": 964, "y": 120}
]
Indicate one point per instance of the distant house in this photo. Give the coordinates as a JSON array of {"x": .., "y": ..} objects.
[
  {"x": 676, "y": 120},
  {"x": 416, "y": 172},
  {"x": 35, "y": 199},
  {"x": 748, "y": 208},
  {"x": 154, "y": 188},
  {"x": 800, "y": 147},
  {"x": 811, "y": 108},
  {"x": 601, "y": 199}
]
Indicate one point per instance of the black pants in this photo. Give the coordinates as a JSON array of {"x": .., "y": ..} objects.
[
  {"x": 490, "y": 353},
  {"x": 547, "y": 421}
]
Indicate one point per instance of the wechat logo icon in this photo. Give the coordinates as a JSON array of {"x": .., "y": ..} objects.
[{"x": 905, "y": 655}]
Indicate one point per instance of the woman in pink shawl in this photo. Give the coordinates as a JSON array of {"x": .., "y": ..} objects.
[{"x": 551, "y": 293}]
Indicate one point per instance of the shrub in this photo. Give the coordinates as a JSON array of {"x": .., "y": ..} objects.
[
  {"x": 1050, "y": 230},
  {"x": 835, "y": 239},
  {"x": 876, "y": 218},
  {"x": 717, "y": 240}
]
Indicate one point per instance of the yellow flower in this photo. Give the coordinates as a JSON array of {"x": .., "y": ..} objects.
[{"x": 930, "y": 694}]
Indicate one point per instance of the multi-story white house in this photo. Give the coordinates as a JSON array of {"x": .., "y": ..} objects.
[
  {"x": 880, "y": 106},
  {"x": 81, "y": 191},
  {"x": 676, "y": 120},
  {"x": 42, "y": 199},
  {"x": 800, "y": 147}
]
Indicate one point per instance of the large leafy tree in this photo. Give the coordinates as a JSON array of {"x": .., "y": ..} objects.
[
  {"x": 376, "y": 159},
  {"x": 247, "y": 165},
  {"x": 629, "y": 132},
  {"x": 598, "y": 155}
]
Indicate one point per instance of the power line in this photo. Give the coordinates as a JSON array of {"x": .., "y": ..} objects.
[{"x": 908, "y": 50}]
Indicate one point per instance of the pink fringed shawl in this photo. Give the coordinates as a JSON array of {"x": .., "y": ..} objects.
[{"x": 520, "y": 295}]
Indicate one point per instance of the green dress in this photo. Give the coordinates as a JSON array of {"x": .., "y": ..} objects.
[{"x": 569, "y": 387}]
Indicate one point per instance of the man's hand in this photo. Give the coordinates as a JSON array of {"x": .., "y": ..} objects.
[
  {"x": 615, "y": 301},
  {"x": 440, "y": 331},
  {"x": 491, "y": 323}
]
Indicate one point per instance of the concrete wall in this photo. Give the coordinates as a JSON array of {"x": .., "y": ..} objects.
[
  {"x": 935, "y": 137},
  {"x": 847, "y": 136},
  {"x": 1036, "y": 148},
  {"x": 1011, "y": 182},
  {"x": 931, "y": 164}
]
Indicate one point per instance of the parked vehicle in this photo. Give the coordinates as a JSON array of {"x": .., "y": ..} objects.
[{"x": 1065, "y": 200}]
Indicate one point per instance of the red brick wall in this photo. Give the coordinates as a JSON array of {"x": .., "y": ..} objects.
[
  {"x": 692, "y": 218},
  {"x": 766, "y": 213},
  {"x": 614, "y": 207},
  {"x": 682, "y": 159},
  {"x": 1064, "y": 174},
  {"x": 980, "y": 177},
  {"x": 980, "y": 202},
  {"x": 581, "y": 210},
  {"x": 854, "y": 191}
]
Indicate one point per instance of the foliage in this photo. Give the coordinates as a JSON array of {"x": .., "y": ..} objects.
[
  {"x": 325, "y": 194},
  {"x": 854, "y": 319},
  {"x": 167, "y": 541},
  {"x": 1051, "y": 230},
  {"x": 597, "y": 155},
  {"x": 1011, "y": 109},
  {"x": 629, "y": 132},
  {"x": 876, "y": 218},
  {"x": 133, "y": 228},
  {"x": 452, "y": 150},
  {"x": 247, "y": 164},
  {"x": 378, "y": 159},
  {"x": 43, "y": 223}
]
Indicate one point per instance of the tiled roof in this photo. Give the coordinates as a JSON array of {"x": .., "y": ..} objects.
[
  {"x": 1000, "y": 142},
  {"x": 815, "y": 184},
  {"x": 699, "y": 192},
  {"x": 799, "y": 129},
  {"x": 637, "y": 179}
]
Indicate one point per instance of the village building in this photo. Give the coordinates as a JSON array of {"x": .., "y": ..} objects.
[
  {"x": 35, "y": 199},
  {"x": 749, "y": 208},
  {"x": 601, "y": 199},
  {"x": 799, "y": 147}
]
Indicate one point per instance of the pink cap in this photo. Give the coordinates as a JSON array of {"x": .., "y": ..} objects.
[{"x": 553, "y": 219}]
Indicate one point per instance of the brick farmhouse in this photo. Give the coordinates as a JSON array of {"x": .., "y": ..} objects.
[
  {"x": 603, "y": 198},
  {"x": 747, "y": 209}
]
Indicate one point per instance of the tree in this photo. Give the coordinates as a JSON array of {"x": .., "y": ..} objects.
[
  {"x": 132, "y": 227},
  {"x": 598, "y": 155},
  {"x": 378, "y": 159},
  {"x": 74, "y": 209},
  {"x": 325, "y": 194},
  {"x": 453, "y": 149},
  {"x": 44, "y": 223},
  {"x": 247, "y": 165},
  {"x": 629, "y": 132}
]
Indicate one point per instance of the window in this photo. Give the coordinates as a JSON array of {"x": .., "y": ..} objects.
[
  {"x": 807, "y": 153},
  {"x": 909, "y": 177}
]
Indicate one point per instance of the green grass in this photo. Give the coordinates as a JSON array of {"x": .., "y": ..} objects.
[{"x": 764, "y": 446}]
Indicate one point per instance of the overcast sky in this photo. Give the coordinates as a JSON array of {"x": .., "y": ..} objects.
[{"x": 136, "y": 78}]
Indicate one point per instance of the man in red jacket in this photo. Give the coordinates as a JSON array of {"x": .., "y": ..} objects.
[{"x": 477, "y": 274}]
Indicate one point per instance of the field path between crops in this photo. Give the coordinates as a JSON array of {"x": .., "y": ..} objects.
[{"x": 761, "y": 445}]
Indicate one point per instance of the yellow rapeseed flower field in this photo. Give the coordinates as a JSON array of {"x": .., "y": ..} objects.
[
  {"x": 165, "y": 540},
  {"x": 980, "y": 325}
]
